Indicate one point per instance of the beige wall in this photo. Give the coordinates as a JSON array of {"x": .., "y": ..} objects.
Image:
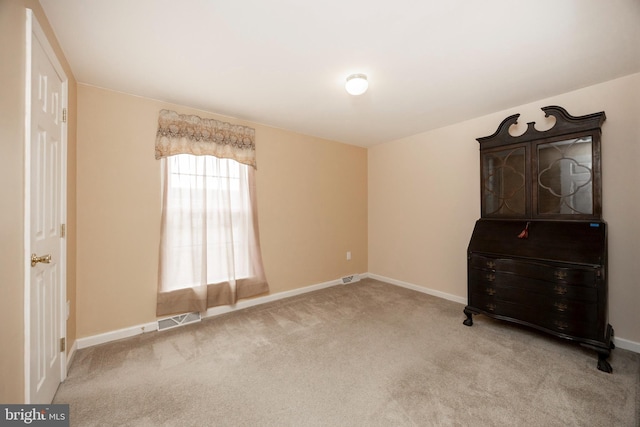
[
  {"x": 12, "y": 261},
  {"x": 312, "y": 204},
  {"x": 405, "y": 210},
  {"x": 424, "y": 197}
]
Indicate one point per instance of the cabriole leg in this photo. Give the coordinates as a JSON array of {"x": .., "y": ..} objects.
[
  {"x": 603, "y": 365},
  {"x": 469, "y": 320}
]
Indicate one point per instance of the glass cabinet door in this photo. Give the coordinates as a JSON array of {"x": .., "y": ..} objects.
[
  {"x": 565, "y": 177},
  {"x": 503, "y": 183},
  {"x": 553, "y": 174}
]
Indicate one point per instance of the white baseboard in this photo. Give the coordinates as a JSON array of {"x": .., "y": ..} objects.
[
  {"x": 422, "y": 289},
  {"x": 116, "y": 335},
  {"x": 626, "y": 344},
  {"x": 216, "y": 311},
  {"x": 71, "y": 353},
  {"x": 619, "y": 342}
]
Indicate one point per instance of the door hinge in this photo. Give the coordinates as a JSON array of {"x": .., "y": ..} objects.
[
  {"x": 64, "y": 115},
  {"x": 63, "y": 230},
  {"x": 63, "y": 344}
]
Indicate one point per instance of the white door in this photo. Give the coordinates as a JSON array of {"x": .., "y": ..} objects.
[{"x": 46, "y": 210}]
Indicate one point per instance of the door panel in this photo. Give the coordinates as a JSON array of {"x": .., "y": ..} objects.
[{"x": 46, "y": 215}]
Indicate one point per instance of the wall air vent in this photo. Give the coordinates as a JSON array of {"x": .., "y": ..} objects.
[
  {"x": 350, "y": 279},
  {"x": 179, "y": 320}
]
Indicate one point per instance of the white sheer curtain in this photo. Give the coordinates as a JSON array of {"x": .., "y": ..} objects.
[{"x": 210, "y": 250}]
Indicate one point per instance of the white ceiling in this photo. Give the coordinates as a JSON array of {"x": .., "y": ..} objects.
[{"x": 283, "y": 62}]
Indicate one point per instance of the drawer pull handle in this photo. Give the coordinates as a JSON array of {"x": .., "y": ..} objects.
[
  {"x": 560, "y": 275},
  {"x": 491, "y": 264},
  {"x": 491, "y": 307},
  {"x": 490, "y": 277},
  {"x": 490, "y": 291},
  {"x": 560, "y": 290},
  {"x": 561, "y": 325},
  {"x": 559, "y": 306}
]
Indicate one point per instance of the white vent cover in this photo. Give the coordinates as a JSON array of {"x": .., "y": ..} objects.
[
  {"x": 350, "y": 279},
  {"x": 179, "y": 320}
]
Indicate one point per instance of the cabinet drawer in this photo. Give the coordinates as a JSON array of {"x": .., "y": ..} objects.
[
  {"x": 577, "y": 328},
  {"x": 511, "y": 283},
  {"x": 541, "y": 305},
  {"x": 500, "y": 307},
  {"x": 579, "y": 320},
  {"x": 574, "y": 275}
]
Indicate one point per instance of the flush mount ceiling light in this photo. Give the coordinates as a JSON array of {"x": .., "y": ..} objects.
[{"x": 357, "y": 84}]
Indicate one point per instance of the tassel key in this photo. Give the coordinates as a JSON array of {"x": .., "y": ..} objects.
[{"x": 524, "y": 234}]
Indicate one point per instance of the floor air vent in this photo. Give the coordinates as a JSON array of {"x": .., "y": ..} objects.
[
  {"x": 350, "y": 279},
  {"x": 175, "y": 321}
]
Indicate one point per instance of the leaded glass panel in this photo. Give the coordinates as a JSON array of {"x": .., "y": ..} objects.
[
  {"x": 565, "y": 177},
  {"x": 504, "y": 182}
]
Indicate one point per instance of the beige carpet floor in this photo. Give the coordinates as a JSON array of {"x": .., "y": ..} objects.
[{"x": 363, "y": 354}]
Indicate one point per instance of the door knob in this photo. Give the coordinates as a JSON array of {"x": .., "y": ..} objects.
[{"x": 36, "y": 259}]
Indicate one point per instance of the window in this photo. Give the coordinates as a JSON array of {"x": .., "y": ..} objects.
[{"x": 210, "y": 245}]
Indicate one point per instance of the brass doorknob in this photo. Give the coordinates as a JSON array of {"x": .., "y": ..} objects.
[{"x": 46, "y": 259}]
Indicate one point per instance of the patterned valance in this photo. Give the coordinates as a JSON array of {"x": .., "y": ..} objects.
[{"x": 187, "y": 134}]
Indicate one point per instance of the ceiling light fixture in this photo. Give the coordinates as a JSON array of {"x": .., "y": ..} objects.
[{"x": 357, "y": 84}]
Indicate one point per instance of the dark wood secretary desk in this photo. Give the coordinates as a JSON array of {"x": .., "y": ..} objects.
[{"x": 538, "y": 254}]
